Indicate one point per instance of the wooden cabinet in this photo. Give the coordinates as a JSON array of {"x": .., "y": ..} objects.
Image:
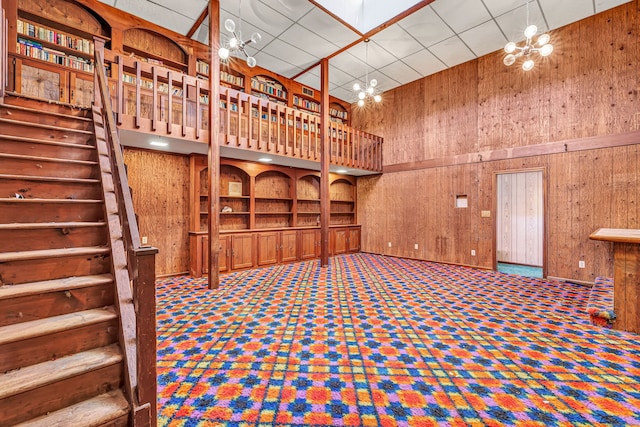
[
  {"x": 224, "y": 263},
  {"x": 242, "y": 251},
  {"x": 309, "y": 243},
  {"x": 342, "y": 192},
  {"x": 277, "y": 246},
  {"x": 344, "y": 239}
]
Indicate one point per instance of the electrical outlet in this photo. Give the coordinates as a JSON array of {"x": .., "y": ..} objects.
[
  {"x": 581, "y": 264},
  {"x": 415, "y": 246},
  {"x": 389, "y": 244},
  {"x": 473, "y": 252},
  {"x": 144, "y": 240}
]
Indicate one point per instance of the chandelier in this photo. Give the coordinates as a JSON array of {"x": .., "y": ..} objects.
[
  {"x": 541, "y": 46},
  {"x": 368, "y": 92},
  {"x": 236, "y": 43}
]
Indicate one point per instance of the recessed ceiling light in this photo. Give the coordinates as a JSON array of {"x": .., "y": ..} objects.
[
  {"x": 159, "y": 144},
  {"x": 265, "y": 159},
  {"x": 341, "y": 171}
]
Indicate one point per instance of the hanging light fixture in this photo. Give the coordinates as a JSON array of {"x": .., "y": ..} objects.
[
  {"x": 236, "y": 43},
  {"x": 368, "y": 92},
  {"x": 541, "y": 46}
]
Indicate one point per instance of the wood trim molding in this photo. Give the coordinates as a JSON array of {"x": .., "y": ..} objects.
[{"x": 569, "y": 145}]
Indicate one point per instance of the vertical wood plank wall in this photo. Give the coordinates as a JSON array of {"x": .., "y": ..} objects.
[
  {"x": 436, "y": 129},
  {"x": 160, "y": 189}
]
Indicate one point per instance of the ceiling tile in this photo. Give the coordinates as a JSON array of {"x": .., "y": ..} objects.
[
  {"x": 559, "y": 13},
  {"x": 397, "y": 41},
  {"x": 452, "y": 51},
  {"x": 289, "y": 53},
  {"x": 500, "y": 7},
  {"x": 348, "y": 63},
  {"x": 259, "y": 15},
  {"x": 328, "y": 28},
  {"x": 339, "y": 77},
  {"x": 384, "y": 81},
  {"x": 461, "y": 14},
  {"x": 292, "y": 9},
  {"x": 484, "y": 38},
  {"x": 343, "y": 94},
  {"x": 245, "y": 30},
  {"x": 190, "y": 8},
  {"x": 425, "y": 63},
  {"x": 309, "y": 79},
  {"x": 307, "y": 41},
  {"x": 109, "y": 2},
  {"x": 426, "y": 27},
  {"x": 513, "y": 23},
  {"x": 602, "y": 5},
  {"x": 377, "y": 56},
  {"x": 276, "y": 65},
  {"x": 159, "y": 15},
  {"x": 401, "y": 72}
]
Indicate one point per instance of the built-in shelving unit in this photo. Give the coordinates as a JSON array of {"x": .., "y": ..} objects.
[
  {"x": 154, "y": 48},
  {"x": 308, "y": 201},
  {"x": 269, "y": 88},
  {"x": 342, "y": 194}
]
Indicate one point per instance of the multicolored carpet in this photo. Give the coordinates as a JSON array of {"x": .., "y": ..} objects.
[{"x": 378, "y": 341}]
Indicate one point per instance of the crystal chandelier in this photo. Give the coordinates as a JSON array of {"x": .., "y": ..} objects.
[
  {"x": 541, "y": 46},
  {"x": 236, "y": 43},
  {"x": 368, "y": 92}
]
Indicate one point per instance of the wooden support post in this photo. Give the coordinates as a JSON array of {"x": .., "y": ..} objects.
[
  {"x": 214, "y": 144},
  {"x": 98, "y": 44},
  {"x": 325, "y": 203},
  {"x": 145, "y": 297}
]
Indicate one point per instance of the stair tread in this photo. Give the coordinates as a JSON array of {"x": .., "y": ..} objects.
[
  {"x": 48, "y": 113},
  {"x": 37, "y": 200},
  {"x": 96, "y": 411},
  {"x": 46, "y": 141},
  {"x": 49, "y": 127},
  {"x": 56, "y": 285},
  {"x": 52, "y": 253},
  {"x": 50, "y": 325},
  {"x": 47, "y": 159},
  {"x": 50, "y": 178},
  {"x": 39, "y": 225},
  {"x": 51, "y": 371}
]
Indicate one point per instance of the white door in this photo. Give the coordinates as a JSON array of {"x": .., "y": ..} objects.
[{"x": 520, "y": 218}]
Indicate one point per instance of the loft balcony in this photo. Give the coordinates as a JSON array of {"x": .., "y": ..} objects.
[{"x": 149, "y": 99}]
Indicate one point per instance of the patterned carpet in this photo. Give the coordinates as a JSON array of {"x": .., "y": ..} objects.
[{"x": 378, "y": 341}]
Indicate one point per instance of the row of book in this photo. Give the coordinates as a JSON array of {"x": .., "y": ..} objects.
[
  {"x": 268, "y": 86},
  {"x": 231, "y": 79},
  {"x": 306, "y": 104},
  {"x": 54, "y": 37},
  {"x": 37, "y": 51},
  {"x": 148, "y": 84},
  {"x": 202, "y": 67},
  {"x": 337, "y": 113}
]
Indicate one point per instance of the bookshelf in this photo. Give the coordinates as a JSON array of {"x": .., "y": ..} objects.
[
  {"x": 268, "y": 87},
  {"x": 154, "y": 48}
]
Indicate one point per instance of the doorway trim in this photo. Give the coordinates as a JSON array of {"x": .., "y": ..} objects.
[{"x": 545, "y": 210}]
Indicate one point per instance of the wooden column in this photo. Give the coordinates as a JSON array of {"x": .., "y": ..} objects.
[
  {"x": 214, "y": 144},
  {"x": 626, "y": 276},
  {"x": 325, "y": 155},
  {"x": 4, "y": 51}
]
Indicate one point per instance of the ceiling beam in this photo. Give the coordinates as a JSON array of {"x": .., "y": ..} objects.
[{"x": 198, "y": 22}]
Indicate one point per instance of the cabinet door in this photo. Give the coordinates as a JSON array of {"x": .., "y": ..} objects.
[
  {"x": 339, "y": 241},
  {"x": 44, "y": 81},
  {"x": 223, "y": 256},
  {"x": 241, "y": 251},
  {"x": 288, "y": 246},
  {"x": 354, "y": 240},
  {"x": 80, "y": 89},
  {"x": 308, "y": 244},
  {"x": 268, "y": 247}
]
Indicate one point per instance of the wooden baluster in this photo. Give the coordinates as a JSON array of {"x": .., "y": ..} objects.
[
  {"x": 278, "y": 128},
  {"x": 259, "y": 135},
  {"x": 198, "y": 118},
  {"x": 184, "y": 104},
  {"x": 138, "y": 87},
  {"x": 119, "y": 91},
  {"x": 154, "y": 100},
  {"x": 170, "y": 102}
]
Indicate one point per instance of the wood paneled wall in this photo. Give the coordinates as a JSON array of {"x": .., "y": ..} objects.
[
  {"x": 160, "y": 189},
  {"x": 441, "y": 132}
]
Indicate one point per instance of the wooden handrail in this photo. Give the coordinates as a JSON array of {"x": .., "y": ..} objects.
[
  {"x": 180, "y": 102},
  {"x": 132, "y": 264},
  {"x": 4, "y": 50}
]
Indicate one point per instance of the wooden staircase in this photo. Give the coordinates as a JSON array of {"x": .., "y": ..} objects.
[{"x": 61, "y": 362}]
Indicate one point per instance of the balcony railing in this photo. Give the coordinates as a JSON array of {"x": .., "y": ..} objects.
[{"x": 153, "y": 99}]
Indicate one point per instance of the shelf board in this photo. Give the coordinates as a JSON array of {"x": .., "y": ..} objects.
[
  {"x": 234, "y": 213},
  {"x": 233, "y": 197},
  {"x": 53, "y": 64},
  {"x": 274, "y": 213},
  {"x": 309, "y": 213},
  {"x": 274, "y": 198},
  {"x": 46, "y": 22},
  {"x": 166, "y": 62},
  {"x": 342, "y": 201},
  {"x": 61, "y": 48}
]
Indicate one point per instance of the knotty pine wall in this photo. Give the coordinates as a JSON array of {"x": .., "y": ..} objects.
[
  {"x": 447, "y": 134},
  {"x": 160, "y": 188}
]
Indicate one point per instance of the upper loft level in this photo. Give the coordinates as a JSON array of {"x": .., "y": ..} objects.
[{"x": 159, "y": 87}]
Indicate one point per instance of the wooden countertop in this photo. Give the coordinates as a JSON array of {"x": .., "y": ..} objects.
[{"x": 620, "y": 235}]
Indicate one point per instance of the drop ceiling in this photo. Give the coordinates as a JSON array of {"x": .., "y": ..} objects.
[{"x": 297, "y": 34}]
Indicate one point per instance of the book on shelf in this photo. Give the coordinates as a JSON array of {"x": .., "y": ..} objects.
[
  {"x": 202, "y": 67},
  {"x": 306, "y": 104},
  {"x": 231, "y": 78},
  {"x": 36, "y": 50},
  {"x": 45, "y": 34},
  {"x": 268, "y": 86},
  {"x": 337, "y": 113}
]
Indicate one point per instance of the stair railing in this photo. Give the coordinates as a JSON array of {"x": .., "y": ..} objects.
[
  {"x": 4, "y": 51},
  {"x": 133, "y": 264}
]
